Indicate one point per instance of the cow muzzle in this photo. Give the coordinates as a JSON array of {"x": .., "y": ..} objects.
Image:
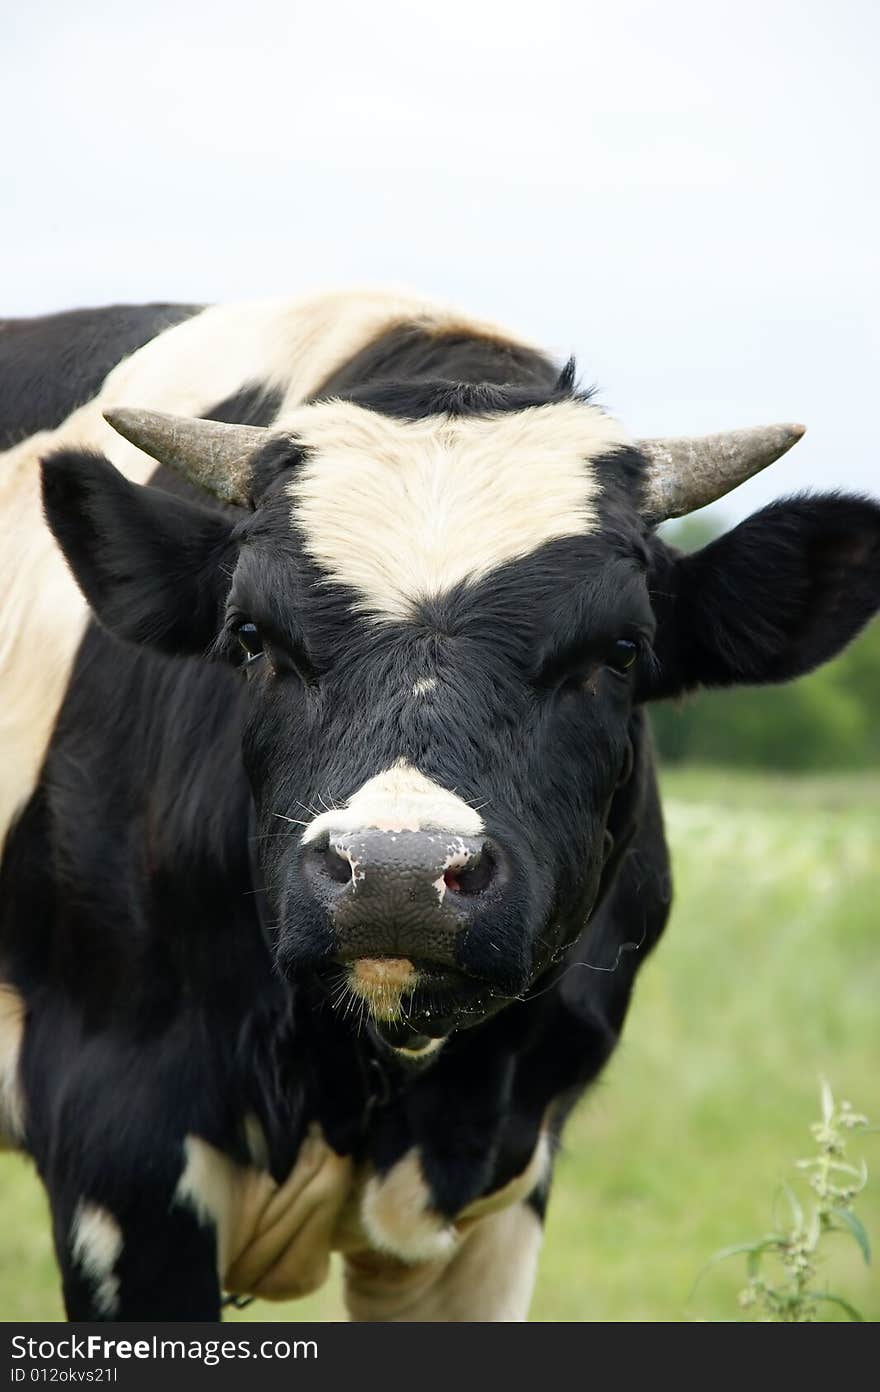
[{"x": 400, "y": 904}]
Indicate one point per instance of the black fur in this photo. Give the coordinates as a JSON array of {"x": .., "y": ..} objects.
[
  {"x": 415, "y": 400},
  {"x": 417, "y": 355},
  {"x": 186, "y": 546},
  {"x": 152, "y": 909},
  {"x": 770, "y": 600},
  {"x": 52, "y": 364}
]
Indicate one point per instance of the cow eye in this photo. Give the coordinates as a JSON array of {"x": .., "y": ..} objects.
[
  {"x": 621, "y": 654},
  {"x": 251, "y": 640}
]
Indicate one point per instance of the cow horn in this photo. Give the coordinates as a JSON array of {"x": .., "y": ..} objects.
[
  {"x": 686, "y": 474},
  {"x": 211, "y": 454}
]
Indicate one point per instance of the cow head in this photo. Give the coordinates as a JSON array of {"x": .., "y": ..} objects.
[{"x": 446, "y": 604}]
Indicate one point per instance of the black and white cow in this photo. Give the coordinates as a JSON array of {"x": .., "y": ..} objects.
[{"x": 313, "y": 796}]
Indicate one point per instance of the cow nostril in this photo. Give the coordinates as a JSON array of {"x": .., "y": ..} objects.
[
  {"x": 328, "y": 863},
  {"x": 473, "y": 878}
]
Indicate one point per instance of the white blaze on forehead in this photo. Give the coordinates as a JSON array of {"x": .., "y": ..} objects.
[
  {"x": 400, "y": 799},
  {"x": 399, "y": 510},
  {"x": 96, "y": 1245}
]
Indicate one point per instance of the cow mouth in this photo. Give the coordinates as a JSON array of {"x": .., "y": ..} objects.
[{"x": 409, "y": 1003}]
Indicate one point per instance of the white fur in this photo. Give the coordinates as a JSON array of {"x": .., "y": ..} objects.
[
  {"x": 207, "y": 1187},
  {"x": 96, "y": 1245},
  {"x": 397, "y": 1217},
  {"x": 400, "y": 799},
  {"x": 424, "y": 685},
  {"x": 11, "y": 1035},
  {"x": 401, "y": 510}
]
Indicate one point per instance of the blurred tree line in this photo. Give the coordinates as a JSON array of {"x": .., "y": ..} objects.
[{"x": 827, "y": 720}]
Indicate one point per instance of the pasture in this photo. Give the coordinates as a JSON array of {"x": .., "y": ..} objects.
[{"x": 769, "y": 976}]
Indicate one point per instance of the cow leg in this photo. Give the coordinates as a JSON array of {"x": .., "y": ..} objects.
[
  {"x": 141, "y": 1269},
  {"x": 489, "y": 1276},
  {"x": 137, "y": 1255}
]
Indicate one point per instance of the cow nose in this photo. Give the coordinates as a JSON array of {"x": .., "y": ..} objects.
[{"x": 403, "y": 894}]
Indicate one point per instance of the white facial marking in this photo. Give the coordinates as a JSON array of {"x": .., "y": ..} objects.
[
  {"x": 96, "y": 1245},
  {"x": 11, "y": 1035},
  {"x": 424, "y": 685},
  {"x": 346, "y": 853},
  {"x": 400, "y": 510},
  {"x": 456, "y": 856},
  {"x": 400, "y": 799},
  {"x": 291, "y": 346}
]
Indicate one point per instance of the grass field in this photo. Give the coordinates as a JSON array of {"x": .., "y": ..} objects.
[{"x": 769, "y": 977}]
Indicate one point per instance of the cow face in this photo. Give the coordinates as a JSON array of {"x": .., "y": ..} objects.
[
  {"x": 441, "y": 653},
  {"x": 444, "y": 615}
]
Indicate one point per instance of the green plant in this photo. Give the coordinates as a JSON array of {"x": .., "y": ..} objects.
[{"x": 782, "y": 1267}]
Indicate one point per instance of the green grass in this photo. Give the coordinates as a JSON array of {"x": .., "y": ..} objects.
[{"x": 769, "y": 977}]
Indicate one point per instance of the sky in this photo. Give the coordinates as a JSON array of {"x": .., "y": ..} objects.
[{"x": 684, "y": 194}]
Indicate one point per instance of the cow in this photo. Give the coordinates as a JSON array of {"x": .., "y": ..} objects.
[{"x": 332, "y": 842}]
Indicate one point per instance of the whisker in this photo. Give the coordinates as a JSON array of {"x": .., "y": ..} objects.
[
  {"x": 271, "y": 835},
  {"x": 590, "y": 966}
]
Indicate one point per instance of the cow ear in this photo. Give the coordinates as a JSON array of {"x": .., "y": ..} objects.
[
  {"x": 154, "y": 568},
  {"x": 781, "y": 593}
]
